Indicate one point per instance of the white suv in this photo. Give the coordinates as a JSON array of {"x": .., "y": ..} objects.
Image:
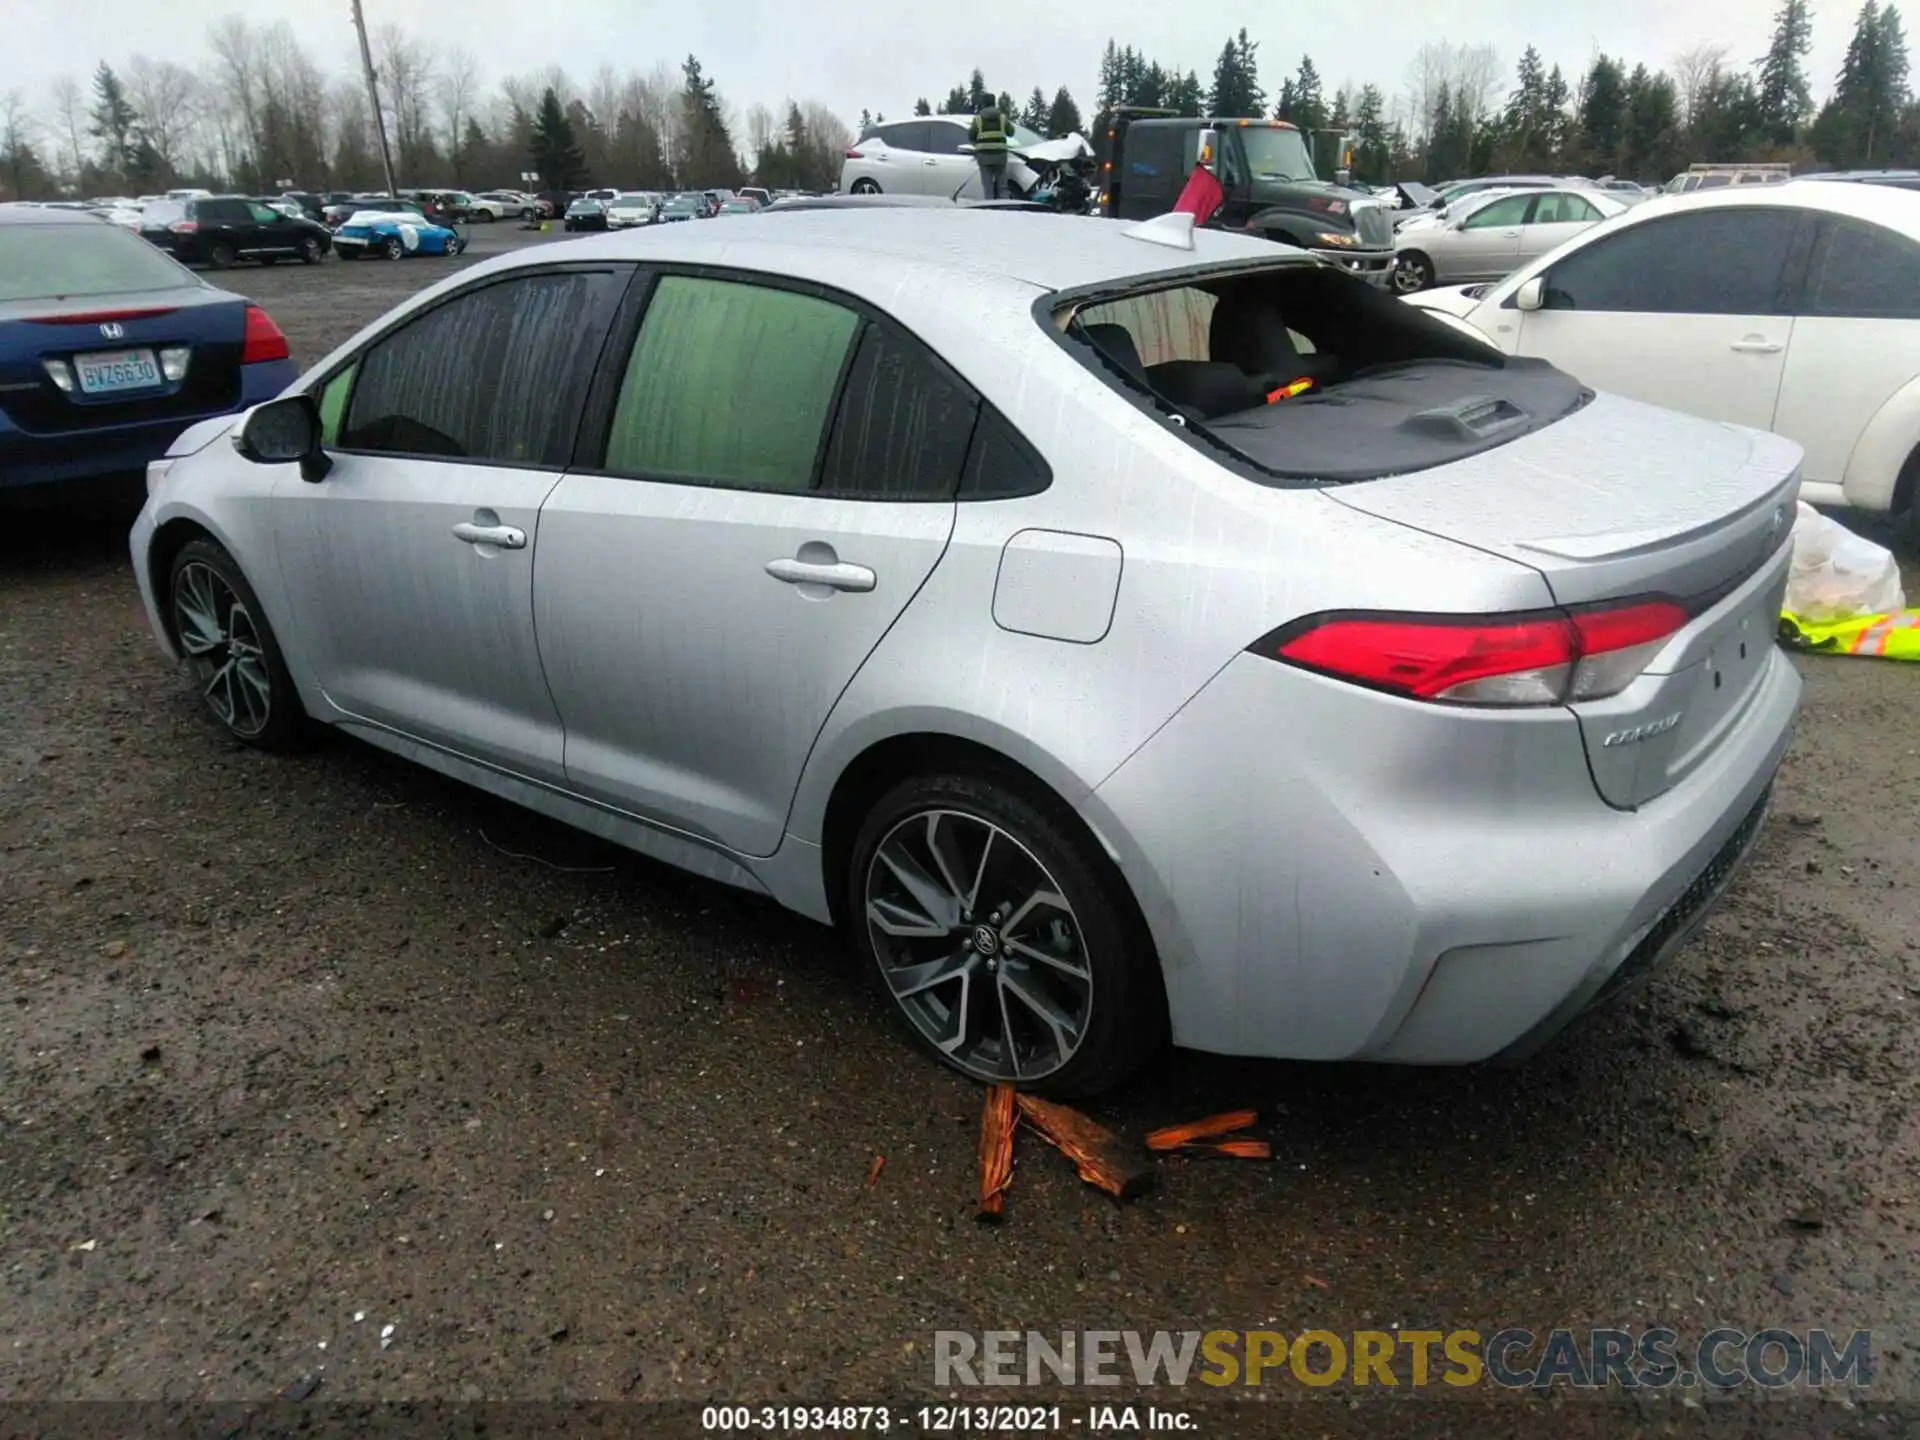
[{"x": 922, "y": 156}]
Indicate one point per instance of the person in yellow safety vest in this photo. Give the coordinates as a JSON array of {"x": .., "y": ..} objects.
[
  {"x": 989, "y": 136},
  {"x": 1895, "y": 636}
]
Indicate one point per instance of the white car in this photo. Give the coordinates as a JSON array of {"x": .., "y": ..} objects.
[
  {"x": 1492, "y": 233},
  {"x": 503, "y": 203},
  {"x": 631, "y": 208},
  {"x": 486, "y": 209},
  {"x": 924, "y": 156},
  {"x": 1792, "y": 307}
]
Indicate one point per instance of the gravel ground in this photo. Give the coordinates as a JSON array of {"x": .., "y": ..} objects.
[{"x": 297, "y": 1050}]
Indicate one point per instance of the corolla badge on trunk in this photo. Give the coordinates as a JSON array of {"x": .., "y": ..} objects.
[{"x": 1642, "y": 732}]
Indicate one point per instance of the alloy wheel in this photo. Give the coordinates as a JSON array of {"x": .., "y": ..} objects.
[
  {"x": 1412, "y": 275},
  {"x": 866, "y": 187},
  {"x": 978, "y": 945},
  {"x": 222, "y": 645}
]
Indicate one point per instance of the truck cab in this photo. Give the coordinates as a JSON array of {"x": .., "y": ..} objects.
[{"x": 1267, "y": 173}]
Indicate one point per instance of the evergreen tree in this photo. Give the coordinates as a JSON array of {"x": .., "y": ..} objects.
[
  {"x": 1063, "y": 116},
  {"x": 1603, "y": 115},
  {"x": 1112, "y": 90},
  {"x": 1185, "y": 97},
  {"x": 1285, "y": 103},
  {"x": 114, "y": 120},
  {"x": 1236, "y": 81},
  {"x": 1858, "y": 126},
  {"x": 1004, "y": 101},
  {"x": 978, "y": 96},
  {"x": 1650, "y": 146},
  {"x": 1558, "y": 96},
  {"x": 921, "y": 107},
  {"x": 554, "y": 151},
  {"x": 1373, "y": 158},
  {"x": 1034, "y": 117},
  {"x": 706, "y": 147},
  {"x": 470, "y": 156},
  {"x": 1726, "y": 121},
  {"x": 1309, "y": 103},
  {"x": 1442, "y": 164},
  {"x": 866, "y": 121},
  {"x": 1526, "y": 126},
  {"x": 1781, "y": 92},
  {"x": 1341, "y": 118},
  {"x": 956, "y": 102}
]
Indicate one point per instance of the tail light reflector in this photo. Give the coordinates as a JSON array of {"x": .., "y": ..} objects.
[
  {"x": 264, "y": 340},
  {"x": 184, "y": 227},
  {"x": 1552, "y": 657}
]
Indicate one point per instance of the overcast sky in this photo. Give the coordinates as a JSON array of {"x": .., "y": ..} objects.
[{"x": 881, "y": 56}]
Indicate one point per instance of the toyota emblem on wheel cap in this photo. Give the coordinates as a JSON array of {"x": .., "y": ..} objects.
[{"x": 112, "y": 330}]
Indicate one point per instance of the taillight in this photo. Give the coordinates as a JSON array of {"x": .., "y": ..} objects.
[
  {"x": 264, "y": 340},
  {"x": 1548, "y": 657},
  {"x": 184, "y": 227},
  {"x": 854, "y": 154}
]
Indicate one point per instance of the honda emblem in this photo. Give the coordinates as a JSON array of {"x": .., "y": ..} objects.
[{"x": 112, "y": 330}]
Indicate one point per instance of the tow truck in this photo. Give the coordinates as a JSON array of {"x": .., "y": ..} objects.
[{"x": 1266, "y": 171}]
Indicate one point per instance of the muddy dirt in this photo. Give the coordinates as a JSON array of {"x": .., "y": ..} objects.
[{"x": 294, "y": 1051}]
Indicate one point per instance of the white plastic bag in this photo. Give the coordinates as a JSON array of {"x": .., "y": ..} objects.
[{"x": 1836, "y": 574}]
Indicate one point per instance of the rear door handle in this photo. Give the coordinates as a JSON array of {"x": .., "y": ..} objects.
[
  {"x": 1755, "y": 347},
  {"x": 507, "y": 537},
  {"x": 837, "y": 576}
]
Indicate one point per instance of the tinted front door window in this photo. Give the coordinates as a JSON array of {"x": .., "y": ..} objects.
[
  {"x": 498, "y": 374},
  {"x": 1711, "y": 262}
]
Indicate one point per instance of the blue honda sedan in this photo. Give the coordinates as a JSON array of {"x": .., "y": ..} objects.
[{"x": 109, "y": 349}]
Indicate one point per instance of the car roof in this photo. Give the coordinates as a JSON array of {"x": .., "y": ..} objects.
[
  {"x": 875, "y": 252},
  {"x": 1882, "y": 204},
  {"x": 22, "y": 213}
]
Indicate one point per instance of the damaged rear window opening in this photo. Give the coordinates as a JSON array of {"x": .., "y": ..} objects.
[{"x": 1305, "y": 376}]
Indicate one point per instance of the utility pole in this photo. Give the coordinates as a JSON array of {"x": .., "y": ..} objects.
[{"x": 373, "y": 95}]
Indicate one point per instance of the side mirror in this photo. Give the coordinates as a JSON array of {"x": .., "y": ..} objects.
[
  {"x": 281, "y": 432},
  {"x": 1209, "y": 148},
  {"x": 1532, "y": 295}
]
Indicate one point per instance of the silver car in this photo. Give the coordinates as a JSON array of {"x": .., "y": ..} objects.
[
  {"x": 1123, "y": 632},
  {"x": 1486, "y": 238}
]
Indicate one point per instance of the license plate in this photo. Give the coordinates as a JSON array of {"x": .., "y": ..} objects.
[{"x": 108, "y": 371}]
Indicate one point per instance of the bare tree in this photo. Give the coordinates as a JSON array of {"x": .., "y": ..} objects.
[
  {"x": 167, "y": 96},
  {"x": 406, "y": 69},
  {"x": 70, "y": 115},
  {"x": 459, "y": 92},
  {"x": 236, "y": 66},
  {"x": 1430, "y": 69},
  {"x": 1475, "y": 78},
  {"x": 1694, "y": 72},
  {"x": 759, "y": 134}
]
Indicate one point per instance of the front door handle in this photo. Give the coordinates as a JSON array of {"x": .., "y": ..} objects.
[
  {"x": 506, "y": 537},
  {"x": 836, "y": 576},
  {"x": 1755, "y": 346}
]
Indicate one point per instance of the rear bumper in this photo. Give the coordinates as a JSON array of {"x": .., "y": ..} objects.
[
  {"x": 29, "y": 459},
  {"x": 1369, "y": 879}
]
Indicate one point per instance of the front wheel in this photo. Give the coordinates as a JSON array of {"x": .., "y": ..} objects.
[
  {"x": 310, "y": 251},
  {"x": 231, "y": 650},
  {"x": 1002, "y": 937},
  {"x": 1412, "y": 273},
  {"x": 455, "y": 246}
]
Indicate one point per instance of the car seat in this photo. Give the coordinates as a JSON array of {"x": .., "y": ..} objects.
[
  {"x": 1204, "y": 388},
  {"x": 1248, "y": 331}
]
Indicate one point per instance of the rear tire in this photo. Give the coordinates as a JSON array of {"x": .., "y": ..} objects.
[
  {"x": 395, "y": 248},
  {"x": 220, "y": 257},
  {"x": 1046, "y": 976},
  {"x": 866, "y": 186},
  {"x": 231, "y": 650}
]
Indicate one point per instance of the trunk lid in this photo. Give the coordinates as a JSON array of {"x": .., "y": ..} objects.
[{"x": 1623, "y": 500}]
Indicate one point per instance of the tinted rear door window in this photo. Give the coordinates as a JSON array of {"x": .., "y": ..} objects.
[
  {"x": 1863, "y": 271},
  {"x": 1710, "y": 262},
  {"x": 498, "y": 374},
  {"x": 730, "y": 384}
]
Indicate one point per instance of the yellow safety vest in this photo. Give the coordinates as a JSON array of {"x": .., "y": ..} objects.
[{"x": 1894, "y": 636}]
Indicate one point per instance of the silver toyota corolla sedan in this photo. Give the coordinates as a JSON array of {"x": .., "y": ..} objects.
[{"x": 1124, "y": 633}]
